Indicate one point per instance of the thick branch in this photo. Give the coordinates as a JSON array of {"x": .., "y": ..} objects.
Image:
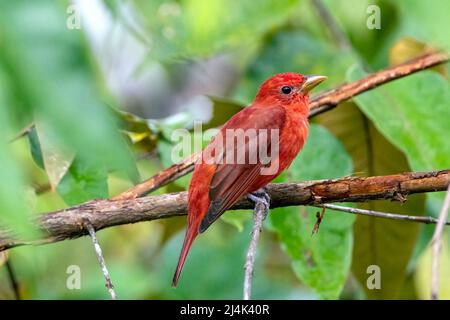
[
  {"x": 68, "y": 223},
  {"x": 323, "y": 102}
]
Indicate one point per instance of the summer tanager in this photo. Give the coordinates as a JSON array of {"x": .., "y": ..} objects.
[{"x": 279, "y": 110}]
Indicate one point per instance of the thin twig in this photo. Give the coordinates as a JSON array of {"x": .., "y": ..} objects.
[
  {"x": 22, "y": 132},
  {"x": 379, "y": 214},
  {"x": 437, "y": 244},
  {"x": 13, "y": 279},
  {"x": 336, "y": 32},
  {"x": 321, "y": 103},
  {"x": 260, "y": 212},
  {"x": 101, "y": 260},
  {"x": 65, "y": 224},
  {"x": 319, "y": 218}
]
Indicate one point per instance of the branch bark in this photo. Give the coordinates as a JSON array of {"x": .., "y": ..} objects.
[
  {"x": 321, "y": 103},
  {"x": 68, "y": 223}
]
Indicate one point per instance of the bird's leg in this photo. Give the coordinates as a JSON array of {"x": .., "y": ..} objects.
[
  {"x": 262, "y": 202},
  {"x": 260, "y": 197}
]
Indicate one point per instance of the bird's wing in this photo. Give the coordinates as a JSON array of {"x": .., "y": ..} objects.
[{"x": 233, "y": 180}]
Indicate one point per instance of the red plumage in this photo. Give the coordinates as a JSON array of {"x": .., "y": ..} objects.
[{"x": 280, "y": 108}]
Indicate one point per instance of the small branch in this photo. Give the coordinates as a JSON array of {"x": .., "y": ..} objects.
[
  {"x": 259, "y": 214},
  {"x": 319, "y": 217},
  {"x": 321, "y": 103},
  {"x": 101, "y": 260},
  {"x": 330, "y": 99},
  {"x": 379, "y": 214},
  {"x": 437, "y": 244},
  {"x": 160, "y": 179},
  {"x": 65, "y": 224},
  {"x": 13, "y": 279}
]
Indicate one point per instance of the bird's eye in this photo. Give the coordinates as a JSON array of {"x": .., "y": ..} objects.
[{"x": 286, "y": 89}]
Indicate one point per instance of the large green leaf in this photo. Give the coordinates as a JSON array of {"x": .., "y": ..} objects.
[
  {"x": 376, "y": 240},
  {"x": 413, "y": 114},
  {"x": 426, "y": 21},
  {"x": 321, "y": 261},
  {"x": 56, "y": 158}
]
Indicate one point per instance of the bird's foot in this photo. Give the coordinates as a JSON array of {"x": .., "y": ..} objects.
[{"x": 260, "y": 197}]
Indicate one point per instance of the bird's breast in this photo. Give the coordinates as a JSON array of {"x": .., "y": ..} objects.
[{"x": 292, "y": 139}]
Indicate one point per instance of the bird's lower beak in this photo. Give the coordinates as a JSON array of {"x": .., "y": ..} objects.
[{"x": 311, "y": 82}]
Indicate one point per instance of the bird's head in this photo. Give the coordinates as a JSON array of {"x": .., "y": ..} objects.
[{"x": 288, "y": 88}]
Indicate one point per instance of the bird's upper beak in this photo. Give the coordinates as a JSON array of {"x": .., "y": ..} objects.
[{"x": 311, "y": 81}]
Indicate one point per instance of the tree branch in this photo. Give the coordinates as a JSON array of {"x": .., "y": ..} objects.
[
  {"x": 323, "y": 102},
  {"x": 260, "y": 212},
  {"x": 12, "y": 279},
  {"x": 101, "y": 260},
  {"x": 68, "y": 223},
  {"x": 385, "y": 215}
]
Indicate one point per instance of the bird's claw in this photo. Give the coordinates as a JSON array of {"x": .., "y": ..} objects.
[{"x": 262, "y": 197}]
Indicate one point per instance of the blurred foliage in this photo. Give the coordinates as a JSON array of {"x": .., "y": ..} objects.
[{"x": 86, "y": 141}]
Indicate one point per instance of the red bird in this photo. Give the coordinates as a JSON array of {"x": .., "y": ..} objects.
[{"x": 280, "y": 110}]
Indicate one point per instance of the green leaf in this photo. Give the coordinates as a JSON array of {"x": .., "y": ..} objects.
[
  {"x": 142, "y": 133},
  {"x": 321, "y": 261},
  {"x": 413, "y": 114},
  {"x": 433, "y": 19},
  {"x": 61, "y": 94},
  {"x": 403, "y": 111},
  {"x": 85, "y": 180},
  {"x": 35, "y": 148},
  {"x": 368, "y": 148},
  {"x": 56, "y": 157}
]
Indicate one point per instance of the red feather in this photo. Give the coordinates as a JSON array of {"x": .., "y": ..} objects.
[{"x": 216, "y": 186}]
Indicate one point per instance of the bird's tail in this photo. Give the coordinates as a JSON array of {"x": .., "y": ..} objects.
[{"x": 191, "y": 234}]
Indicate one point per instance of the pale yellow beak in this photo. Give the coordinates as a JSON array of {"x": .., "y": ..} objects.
[{"x": 311, "y": 82}]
